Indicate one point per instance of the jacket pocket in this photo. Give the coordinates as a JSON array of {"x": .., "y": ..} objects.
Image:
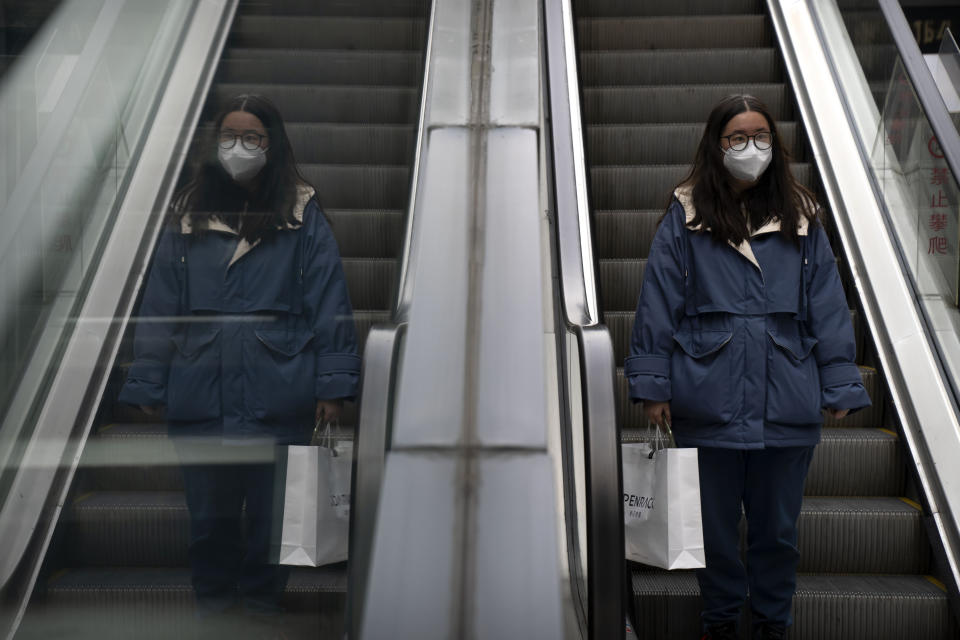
[
  {"x": 281, "y": 378},
  {"x": 793, "y": 381},
  {"x": 193, "y": 386},
  {"x": 701, "y": 377}
]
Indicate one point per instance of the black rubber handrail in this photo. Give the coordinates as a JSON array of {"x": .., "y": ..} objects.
[{"x": 579, "y": 315}]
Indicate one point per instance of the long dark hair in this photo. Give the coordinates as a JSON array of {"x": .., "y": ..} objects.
[
  {"x": 776, "y": 195},
  {"x": 212, "y": 192}
]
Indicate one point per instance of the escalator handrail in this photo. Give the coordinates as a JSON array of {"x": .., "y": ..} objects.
[
  {"x": 923, "y": 83},
  {"x": 405, "y": 288},
  {"x": 43, "y": 477},
  {"x": 601, "y": 437}
]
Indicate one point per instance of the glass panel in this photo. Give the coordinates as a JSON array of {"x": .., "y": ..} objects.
[{"x": 73, "y": 109}]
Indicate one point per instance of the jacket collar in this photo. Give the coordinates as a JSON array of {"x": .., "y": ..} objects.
[
  {"x": 304, "y": 193},
  {"x": 684, "y": 195}
]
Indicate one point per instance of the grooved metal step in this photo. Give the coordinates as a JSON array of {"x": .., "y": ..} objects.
[
  {"x": 829, "y": 607},
  {"x": 650, "y": 186},
  {"x": 119, "y": 603},
  {"x": 360, "y": 8},
  {"x": 321, "y": 66},
  {"x": 679, "y": 66},
  {"x": 664, "y": 7},
  {"x": 334, "y": 143},
  {"x": 330, "y": 32},
  {"x": 348, "y": 186},
  {"x": 663, "y": 143},
  {"x": 371, "y": 282},
  {"x": 661, "y": 104},
  {"x": 347, "y": 104},
  {"x": 364, "y": 233},
  {"x": 674, "y": 32}
]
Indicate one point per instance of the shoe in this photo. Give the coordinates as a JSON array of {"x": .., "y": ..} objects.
[
  {"x": 766, "y": 631},
  {"x": 721, "y": 631}
]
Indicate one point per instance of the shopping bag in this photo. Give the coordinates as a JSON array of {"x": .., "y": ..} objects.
[
  {"x": 661, "y": 506},
  {"x": 316, "y": 503}
]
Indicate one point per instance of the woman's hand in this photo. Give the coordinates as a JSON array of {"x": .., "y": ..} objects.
[
  {"x": 328, "y": 410},
  {"x": 657, "y": 412},
  {"x": 837, "y": 414}
]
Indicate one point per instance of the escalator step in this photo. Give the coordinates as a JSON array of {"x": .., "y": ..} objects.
[
  {"x": 130, "y": 529},
  {"x": 862, "y": 535},
  {"x": 663, "y": 143},
  {"x": 835, "y": 607},
  {"x": 311, "y": 103},
  {"x": 667, "y": 104},
  {"x": 684, "y": 32},
  {"x": 363, "y": 233},
  {"x": 157, "y": 603},
  {"x": 621, "y": 234},
  {"x": 321, "y": 66},
  {"x": 679, "y": 66},
  {"x": 132, "y": 456},
  {"x": 350, "y": 186},
  {"x": 384, "y": 144},
  {"x": 630, "y": 415},
  {"x": 371, "y": 282},
  {"x": 649, "y": 186},
  {"x": 330, "y": 32},
  {"x": 847, "y": 462},
  {"x": 620, "y": 324},
  {"x": 398, "y": 8},
  {"x": 620, "y": 281},
  {"x": 664, "y": 7}
]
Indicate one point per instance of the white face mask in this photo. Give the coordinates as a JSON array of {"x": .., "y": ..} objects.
[
  {"x": 242, "y": 164},
  {"x": 748, "y": 164}
]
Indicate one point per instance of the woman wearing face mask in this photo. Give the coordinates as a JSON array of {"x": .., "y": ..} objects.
[
  {"x": 742, "y": 339},
  {"x": 246, "y": 338}
]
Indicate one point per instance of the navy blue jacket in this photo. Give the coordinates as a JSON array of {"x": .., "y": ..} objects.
[
  {"x": 747, "y": 343},
  {"x": 241, "y": 340}
]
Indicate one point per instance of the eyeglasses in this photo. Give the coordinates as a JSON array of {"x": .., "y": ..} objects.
[
  {"x": 738, "y": 141},
  {"x": 250, "y": 140}
]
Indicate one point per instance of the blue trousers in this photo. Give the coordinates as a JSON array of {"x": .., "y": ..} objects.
[
  {"x": 768, "y": 483},
  {"x": 230, "y": 494}
]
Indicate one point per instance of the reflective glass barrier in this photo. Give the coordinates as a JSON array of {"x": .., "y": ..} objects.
[
  {"x": 74, "y": 108},
  {"x": 915, "y": 170}
]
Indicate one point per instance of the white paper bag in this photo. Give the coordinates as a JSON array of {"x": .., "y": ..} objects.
[
  {"x": 661, "y": 507},
  {"x": 316, "y": 505}
]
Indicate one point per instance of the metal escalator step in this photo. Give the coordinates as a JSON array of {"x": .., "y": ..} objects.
[
  {"x": 411, "y": 8},
  {"x": 877, "y": 60},
  {"x": 129, "y": 528},
  {"x": 346, "y": 186},
  {"x": 862, "y": 535},
  {"x": 157, "y": 604},
  {"x": 367, "y": 233},
  {"x": 620, "y": 324},
  {"x": 630, "y": 415},
  {"x": 321, "y": 66},
  {"x": 683, "y": 32},
  {"x": 669, "y": 104},
  {"x": 661, "y": 143},
  {"x": 329, "y": 32},
  {"x": 679, "y": 66},
  {"x": 620, "y": 281},
  {"x": 309, "y": 103},
  {"x": 379, "y": 144},
  {"x": 836, "y": 607},
  {"x": 625, "y": 234},
  {"x": 649, "y": 186},
  {"x": 134, "y": 456},
  {"x": 664, "y": 7},
  {"x": 847, "y": 462},
  {"x": 371, "y": 282}
]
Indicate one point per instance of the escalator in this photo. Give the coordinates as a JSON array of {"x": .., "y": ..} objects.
[
  {"x": 346, "y": 76},
  {"x": 650, "y": 72}
]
